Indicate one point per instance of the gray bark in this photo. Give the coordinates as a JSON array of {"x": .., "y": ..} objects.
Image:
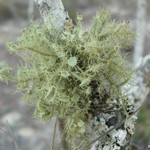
[{"x": 53, "y": 13}]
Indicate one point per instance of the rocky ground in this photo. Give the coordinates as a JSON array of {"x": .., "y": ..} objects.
[{"x": 29, "y": 132}]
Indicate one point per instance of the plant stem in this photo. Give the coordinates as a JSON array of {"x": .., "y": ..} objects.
[
  {"x": 54, "y": 134},
  {"x": 64, "y": 143}
]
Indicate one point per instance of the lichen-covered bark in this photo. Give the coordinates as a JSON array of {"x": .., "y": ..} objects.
[
  {"x": 53, "y": 13},
  {"x": 120, "y": 137}
]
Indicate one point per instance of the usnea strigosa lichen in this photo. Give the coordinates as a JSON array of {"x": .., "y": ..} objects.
[{"x": 72, "y": 75}]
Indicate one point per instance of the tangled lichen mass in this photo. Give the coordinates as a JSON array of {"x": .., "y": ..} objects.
[{"x": 72, "y": 75}]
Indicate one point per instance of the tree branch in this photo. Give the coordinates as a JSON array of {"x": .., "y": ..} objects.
[{"x": 53, "y": 13}]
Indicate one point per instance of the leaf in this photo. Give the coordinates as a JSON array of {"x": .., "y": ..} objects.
[{"x": 72, "y": 61}]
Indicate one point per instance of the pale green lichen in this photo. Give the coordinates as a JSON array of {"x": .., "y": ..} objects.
[{"x": 63, "y": 71}]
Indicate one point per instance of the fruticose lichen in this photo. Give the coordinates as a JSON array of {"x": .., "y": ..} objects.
[{"x": 72, "y": 75}]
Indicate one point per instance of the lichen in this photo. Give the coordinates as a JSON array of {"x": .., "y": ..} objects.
[{"x": 72, "y": 75}]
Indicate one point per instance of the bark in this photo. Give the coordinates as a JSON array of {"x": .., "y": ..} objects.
[
  {"x": 53, "y": 13},
  {"x": 120, "y": 137}
]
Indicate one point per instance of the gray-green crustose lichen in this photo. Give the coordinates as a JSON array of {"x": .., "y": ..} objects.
[{"x": 67, "y": 74}]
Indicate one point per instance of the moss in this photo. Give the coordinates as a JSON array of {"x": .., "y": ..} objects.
[{"x": 70, "y": 75}]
